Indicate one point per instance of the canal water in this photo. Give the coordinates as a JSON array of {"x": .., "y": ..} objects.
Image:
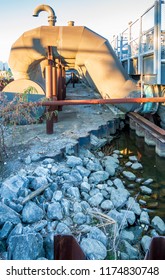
[{"x": 153, "y": 167}]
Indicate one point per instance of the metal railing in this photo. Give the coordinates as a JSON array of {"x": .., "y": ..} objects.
[{"x": 141, "y": 47}]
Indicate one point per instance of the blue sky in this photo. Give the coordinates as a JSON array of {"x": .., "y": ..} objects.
[{"x": 106, "y": 17}]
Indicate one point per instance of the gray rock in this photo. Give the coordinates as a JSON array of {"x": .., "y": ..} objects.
[
  {"x": 93, "y": 249},
  {"x": 73, "y": 192},
  {"x": 145, "y": 242},
  {"x": 110, "y": 169},
  {"x": 79, "y": 218},
  {"x": 142, "y": 202},
  {"x": 77, "y": 207},
  {"x": 73, "y": 161},
  {"x": 118, "y": 183},
  {"x": 76, "y": 174},
  {"x": 116, "y": 152},
  {"x": 48, "y": 161},
  {"x": 133, "y": 158},
  {"x": 97, "y": 142},
  {"x": 127, "y": 235},
  {"x": 136, "y": 166},
  {"x": 94, "y": 191},
  {"x": 129, "y": 175},
  {"x": 145, "y": 190},
  {"x": 54, "y": 211},
  {"x": 85, "y": 205},
  {"x": 109, "y": 183},
  {"x": 128, "y": 164},
  {"x": 57, "y": 196},
  {"x": 107, "y": 205},
  {"x": 10, "y": 187},
  {"x": 96, "y": 233},
  {"x": 85, "y": 187},
  {"x": 35, "y": 157},
  {"x": 38, "y": 182},
  {"x": 54, "y": 170},
  {"x": 119, "y": 197},
  {"x": 94, "y": 165},
  {"x": 118, "y": 217},
  {"x": 148, "y": 181},
  {"x": 62, "y": 229},
  {"x": 51, "y": 226},
  {"x": 74, "y": 180},
  {"x": 138, "y": 232},
  {"x": 100, "y": 154},
  {"x": 85, "y": 196},
  {"x": 38, "y": 226},
  {"x": 158, "y": 224},
  {"x": 7, "y": 227},
  {"x": 16, "y": 207},
  {"x": 83, "y": 171},
  {"x": 32, "y": 213},
  {"x": 17, "y": 230},
  {"x": 153, "y": 233},
  {"x": 130, "y": 251},
  {"x": 96, "y": 199},
  {"x": 7, "y": 214},
  {"x": 111, "y": 159},
  {"x": 48, "y": 194},
  {"x": 133, "y": 206},
  {"x": 66, "y": 206},
  {"x": 84, "y": 228},
  {"x": 129, "y": 215},
  {"x": 41, "y": 171},
  {"x": 25, "y": 246},
  {"x": 62, "y": 169},
  {"x": 49, "y": 246},
  {"x": 98, "y": 177},
  {"x": 85, "y": 153},
  {"x": 69, "y": 149},
  {"x": 27, "y": 160},
  {"x": 144, "y": 218}
]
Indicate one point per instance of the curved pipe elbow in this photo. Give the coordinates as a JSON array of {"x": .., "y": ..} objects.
[{"x": 46, "y": 8}]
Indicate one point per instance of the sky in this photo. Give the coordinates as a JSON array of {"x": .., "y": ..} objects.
[{"x": 105, "y": 17}]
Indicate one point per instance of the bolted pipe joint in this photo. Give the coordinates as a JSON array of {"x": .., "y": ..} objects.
[{"x": 51, "y": 17}]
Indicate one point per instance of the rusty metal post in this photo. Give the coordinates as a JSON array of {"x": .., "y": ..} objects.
[
  {"x": 55, "y": 92},
  {"x": 59, "y": 79},
  {"x": 49, "y": 91},
  {"x": 63, "y": 83},
  {"x": 49, "y": 81}
]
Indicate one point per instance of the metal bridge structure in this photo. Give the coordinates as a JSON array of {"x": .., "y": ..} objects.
[{"x": 141, "y": 47}]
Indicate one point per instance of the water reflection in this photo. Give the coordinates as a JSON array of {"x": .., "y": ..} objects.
[{"x": 153, "y": 167}]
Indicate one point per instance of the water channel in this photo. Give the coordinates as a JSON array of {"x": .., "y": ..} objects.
[{"x": 153, "y": 167}]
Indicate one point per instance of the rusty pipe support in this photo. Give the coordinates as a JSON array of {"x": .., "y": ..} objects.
[
  {"x": 51, "y": 17},
  {"x": 49, "y": 88},
  {"x": 59, "y": 84}
]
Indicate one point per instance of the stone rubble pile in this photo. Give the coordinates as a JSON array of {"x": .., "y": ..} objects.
[{"x": 83, "y": 196}]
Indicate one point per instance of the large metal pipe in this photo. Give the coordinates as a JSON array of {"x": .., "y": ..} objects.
[
  {"x": 51, "y": 17},
  {"x": 77, "y": 47}
]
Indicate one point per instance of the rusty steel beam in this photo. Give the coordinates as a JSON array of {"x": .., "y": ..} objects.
[{"x": 159, "y": 132}]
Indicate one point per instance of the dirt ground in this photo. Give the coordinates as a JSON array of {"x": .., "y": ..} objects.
[{"x": 73, "y": 122}]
